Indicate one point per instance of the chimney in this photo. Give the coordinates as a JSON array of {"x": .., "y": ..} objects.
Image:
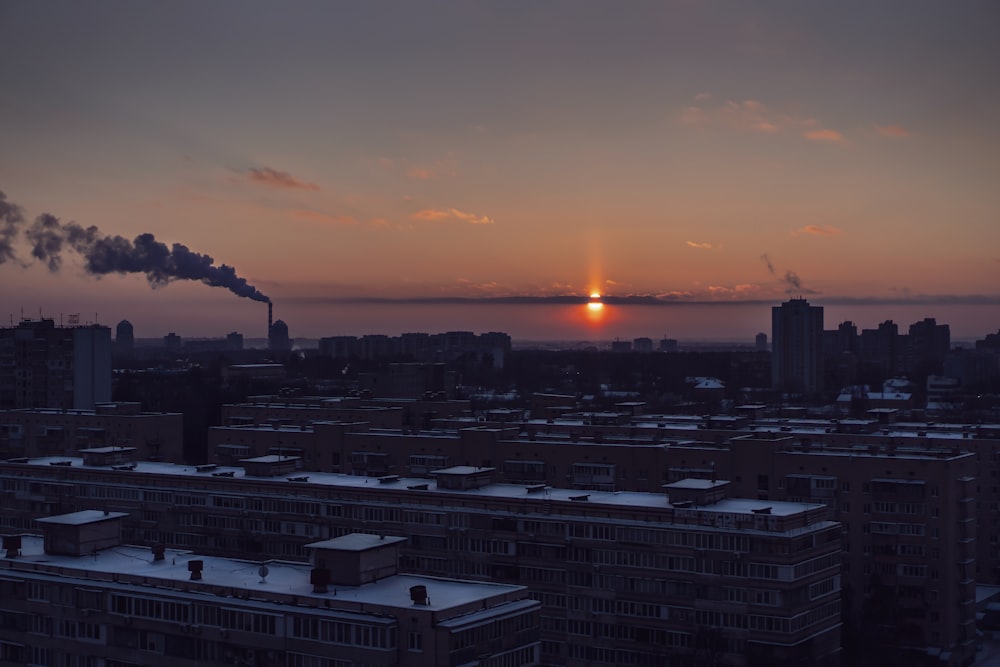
[
  {"x": 12, "y": 544},
  {"x": 158, "y": 550},
  {"x": 320, "y": 579},
  {"x": 195, "y": 567},
  {"x": 419, "y": 594},
  {"x": 270, "y": 317}
]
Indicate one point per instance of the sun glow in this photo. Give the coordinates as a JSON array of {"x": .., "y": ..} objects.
[{"x": 595, "y": 307}]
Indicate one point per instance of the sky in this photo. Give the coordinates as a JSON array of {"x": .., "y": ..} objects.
[{"x": 376, "y": 167}]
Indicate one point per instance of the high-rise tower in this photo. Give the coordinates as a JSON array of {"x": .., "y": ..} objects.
[{"x": 797, "y": 347}]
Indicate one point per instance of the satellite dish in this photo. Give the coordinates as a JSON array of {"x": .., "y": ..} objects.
[{"x": 263, "y": 573}]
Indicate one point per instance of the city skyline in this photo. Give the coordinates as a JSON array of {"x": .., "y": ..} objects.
[{"x": 472, "y": 166}]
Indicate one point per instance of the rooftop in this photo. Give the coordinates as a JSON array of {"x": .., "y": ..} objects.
[
  {"x": 356, "y": 542},
  {"x": 82, "y": 518},
  {"x": 135, "y": 565},
  {"x": 619, "y": 499}
]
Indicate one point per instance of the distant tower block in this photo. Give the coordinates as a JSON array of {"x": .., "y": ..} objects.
[
  {"x": 277, "y": 334},
  {"x": 797, "y": 347},
  {"x": 668, "y": 345},
  {"x": 761, "y": 342},
  {"x": 124, "y": 339}
]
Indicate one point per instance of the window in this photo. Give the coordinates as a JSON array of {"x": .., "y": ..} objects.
[{"x": 416, "y": 641}]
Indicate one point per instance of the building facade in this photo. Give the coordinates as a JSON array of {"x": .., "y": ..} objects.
[
  {"x": 79, "y": 596},
  {"x": 693, "y": 577},
  {"x": 154, "y": 436},
  {"x": 797, "y": 347},
  {"x": 47, "y": 366}
]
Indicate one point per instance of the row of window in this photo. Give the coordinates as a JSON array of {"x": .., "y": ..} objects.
[{"x": 342, "y": 632}]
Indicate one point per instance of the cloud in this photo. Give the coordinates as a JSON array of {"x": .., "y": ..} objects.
[
  {"x": 895, "y": 131},
  {"x": 753, "y": 116},
  {"x": 316, "y": 216},
  {"x": 702, "y": 246},
  {"x": 421, "y": 173},
  {"x": 767, "y": 261},
  {"x": 817, "y": 230},
  {"x": 828, "y": 136},
  {"x": 278, "y": 179},
  {"x": 452, "y": 214}
]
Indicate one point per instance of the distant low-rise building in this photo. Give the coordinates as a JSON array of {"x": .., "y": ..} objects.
[{"x": 154, "y": 436}]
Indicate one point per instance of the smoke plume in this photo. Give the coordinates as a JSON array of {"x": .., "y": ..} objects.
[
  {"x": 10, "y": 218},
  {"x": 792, "y": 280},
  {"x": 50, "y": 238}
]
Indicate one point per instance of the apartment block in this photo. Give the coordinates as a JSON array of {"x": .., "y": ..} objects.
[
  {"x": 689, "y": 575},
  {"x": 47, "y": 366},
  {"x": 155, "y": 436},
  {"x": 79, "y": 592}
]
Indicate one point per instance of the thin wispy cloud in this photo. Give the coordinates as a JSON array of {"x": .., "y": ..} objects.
[
  {"x": 701, "y": 246},
  {"x": 431, "y": 214},
  {"x": 316, "y": 216},
  {"x": 894, "y": 131},
  {"x": 754, "y": 116},
  {"x": 278, "y": 179},
  {"x": 825, "y": 136},
  {"x": 739, "y": 290},
  {"x": 817, "y": 230},
  {"x": 421, "y": 173}
]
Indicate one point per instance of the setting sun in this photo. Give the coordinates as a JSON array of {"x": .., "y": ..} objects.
[{"x": 595, "y": 308}]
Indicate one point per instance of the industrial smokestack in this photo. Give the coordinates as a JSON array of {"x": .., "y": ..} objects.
[
  {"x": 102, "y": 255},
  {"x": 270, "y": 317}
]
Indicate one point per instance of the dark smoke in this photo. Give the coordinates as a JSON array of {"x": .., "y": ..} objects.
[
  {"x": 49, "y": 238},
  {"x": 767, "y": 261},
  {"x": 10, "y": 218},
  {"x": 791, "y": 280}
]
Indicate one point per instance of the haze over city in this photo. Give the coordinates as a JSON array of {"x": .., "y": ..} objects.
[{"x": 488, "y": 166}]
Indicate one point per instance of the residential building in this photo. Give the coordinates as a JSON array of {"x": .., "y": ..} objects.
[
  {"x": 47, "y": 366},
  {"x": 797, "y": 347},
  {"x": 80, "y": 592},
  {"x": 154, "y": 436},
  {"x": 688, "y": 574}
]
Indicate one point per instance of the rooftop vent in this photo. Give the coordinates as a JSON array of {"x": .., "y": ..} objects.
[
  {"x": 158, "y": 550},
  {"x": 12, "y": 545},
  {"x": 418, "y": 594},
  {"x": 536, "y": 488},
  {"x": 388, "y": 479},
  {"x": 206, "y": 468},
  {"x": 302, "y": 478},
  {"x": 65, "y": 464},
  {"x": 581, "y": 497},
  {"x": 195, "y": 567},
  {"x": 418, "y": 487},
  {"x": 229, "y": 473},
  {"x": 320, "y": 579},
  {"x": 761, "y": 510}
]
